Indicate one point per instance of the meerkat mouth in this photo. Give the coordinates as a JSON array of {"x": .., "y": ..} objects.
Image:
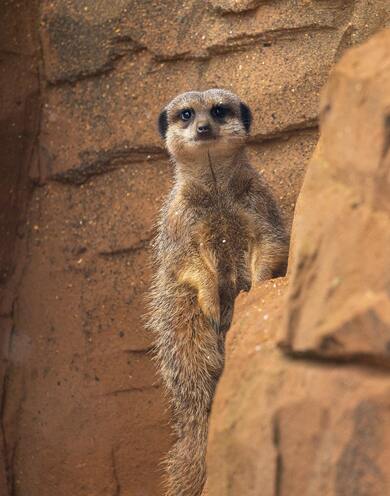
[{"x": 204, "y": 139}]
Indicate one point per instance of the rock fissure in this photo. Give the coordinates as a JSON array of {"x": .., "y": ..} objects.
[
  {"x": 116, "y": 252},
  {"x": 279, "y": 460},
  {"x": 133, "y": 389},
  {"x": 117, "y": 488},
  {"x": 106, "y": 161}
]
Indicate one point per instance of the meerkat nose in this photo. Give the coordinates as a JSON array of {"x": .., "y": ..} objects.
[{"x": 203, "y": 127}]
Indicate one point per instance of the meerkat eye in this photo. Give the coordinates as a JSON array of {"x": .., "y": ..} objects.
[
  {"x": 219, "y": 111},
  {"x": 186, "y": 114}
]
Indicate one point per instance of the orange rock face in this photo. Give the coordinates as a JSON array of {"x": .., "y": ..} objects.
[
  {"x": 303, "y": 405},
  {"x": 338, "y": 303},
  {"x": 82, "y": 410}
]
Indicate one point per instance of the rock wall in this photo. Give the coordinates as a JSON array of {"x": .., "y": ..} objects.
[
  {"x": 303, "y": 406},
  {"x": 82, "y": 410},
  {"x": 19, "y": 128}
]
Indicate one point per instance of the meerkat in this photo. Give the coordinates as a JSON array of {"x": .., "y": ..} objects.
[{"x": 219, "y": 232}]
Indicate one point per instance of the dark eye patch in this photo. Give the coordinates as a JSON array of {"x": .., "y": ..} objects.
[
  {"x": 220, "y": 111},
  {"x": 246, "y": 116},
  {"x": 163, "y": 123}
]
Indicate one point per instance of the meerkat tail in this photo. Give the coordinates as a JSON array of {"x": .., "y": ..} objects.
[
  {"x": 185, "y": 463},
  {"x": 190, "y": 355}
]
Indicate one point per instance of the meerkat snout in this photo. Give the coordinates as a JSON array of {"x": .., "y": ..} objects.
[
  {"x": 204, "y": 130},
  {"x": 196, "y": 122}
]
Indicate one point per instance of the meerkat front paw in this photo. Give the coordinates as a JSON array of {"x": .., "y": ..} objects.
[
  {"x": 209, "y": 304},
  {"x": 207, "y": 290}
]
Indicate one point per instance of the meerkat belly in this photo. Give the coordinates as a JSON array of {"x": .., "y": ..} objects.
[{"x": 228, "y": 243}]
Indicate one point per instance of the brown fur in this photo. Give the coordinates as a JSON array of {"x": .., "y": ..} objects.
[{"x": 219, "y": 232}]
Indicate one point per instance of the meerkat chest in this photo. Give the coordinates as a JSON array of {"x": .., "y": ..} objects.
[
  {"x": 216, "y": 222},
  {"x": 222, "y": 239},
  {"x": 224, "y": 230}
]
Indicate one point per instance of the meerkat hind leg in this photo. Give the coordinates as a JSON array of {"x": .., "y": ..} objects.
[{"x": 268, "y": 260}]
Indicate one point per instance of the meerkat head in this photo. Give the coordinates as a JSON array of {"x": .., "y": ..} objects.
[{"x": 196, "y": 123}]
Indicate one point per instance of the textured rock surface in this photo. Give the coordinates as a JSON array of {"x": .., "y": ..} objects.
[
  {"x": 277, "y": 57},
  {"x": 292, "y": 427},
  {"x": 316, "y": 419},
  {"x": 339, "y": 303},
  {"x": 89, "y": 407},
  {"x": 20, "y": 104},
  {"x": 19, "y": 127},
  {"x": 81, "y": 409}
]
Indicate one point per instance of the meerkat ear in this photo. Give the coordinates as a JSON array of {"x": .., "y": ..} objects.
[
  {"x": 163, "y": 123},
  {"x": 246, "y": 116}
]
